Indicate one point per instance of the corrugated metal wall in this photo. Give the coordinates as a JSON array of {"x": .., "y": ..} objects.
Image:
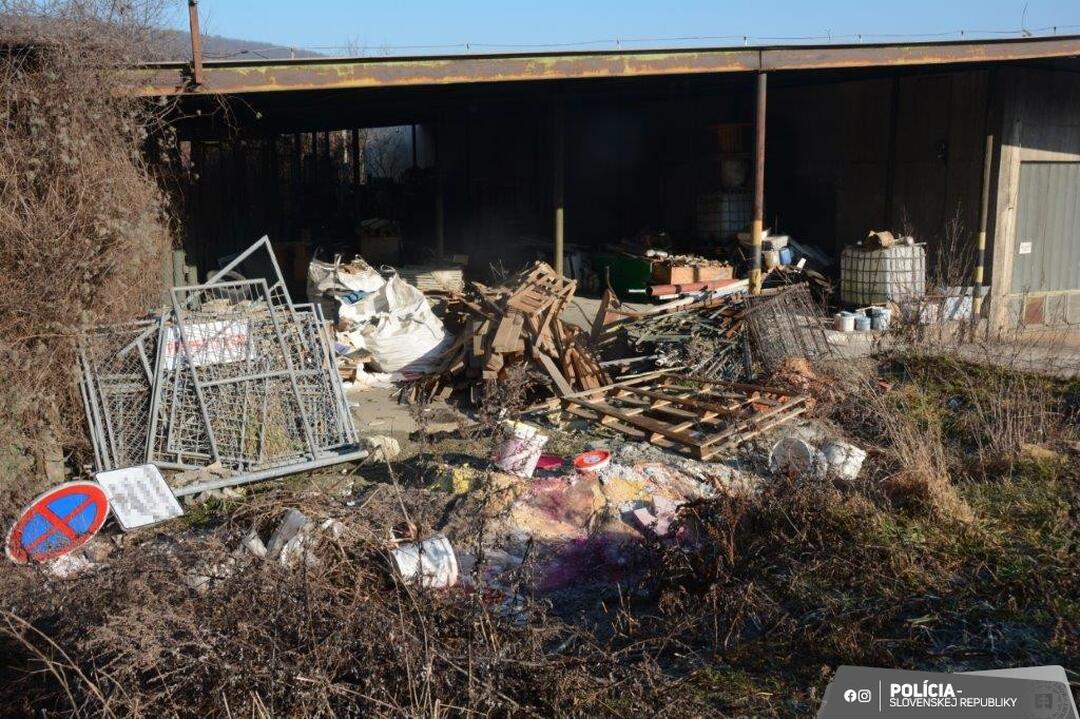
[{"x": 1047, "y": 228}]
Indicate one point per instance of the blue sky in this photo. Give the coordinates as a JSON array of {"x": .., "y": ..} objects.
[{"x": 431, "y": 27}]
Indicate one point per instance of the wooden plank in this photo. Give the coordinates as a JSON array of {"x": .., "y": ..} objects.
[
  {"x": 554, "y": 372},
  {"x": 508, "y": 333},
  {"x": 654, "y": 426}
]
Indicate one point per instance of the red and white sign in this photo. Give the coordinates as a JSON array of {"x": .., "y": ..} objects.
[
  {"x": 57, "y": 522},
  {"x": 210, "y": 343}
]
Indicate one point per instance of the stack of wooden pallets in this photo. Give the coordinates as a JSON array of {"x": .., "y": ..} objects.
[{"x": 516, "y": 322}]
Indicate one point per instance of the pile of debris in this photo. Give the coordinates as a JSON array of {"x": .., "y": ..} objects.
[
  {"x": 514, "y": 323},
  {"x": 234, "y": 376}
]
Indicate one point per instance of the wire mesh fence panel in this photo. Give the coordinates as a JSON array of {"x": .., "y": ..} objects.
[
  {"x": 116, "y": 364},
  {"x": 240, "y": 352},
  {"x": 786, "y": 325},
  {"x": 235, "y": 374}
]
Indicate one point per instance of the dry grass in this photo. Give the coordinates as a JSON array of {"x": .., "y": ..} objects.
[{"x": 83, "y": 223}]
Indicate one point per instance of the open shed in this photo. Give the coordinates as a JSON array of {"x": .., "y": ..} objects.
[{"x": 504, "y": 158}]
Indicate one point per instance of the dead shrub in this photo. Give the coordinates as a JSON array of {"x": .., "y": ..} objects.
[{"x": 83, "y": 224}]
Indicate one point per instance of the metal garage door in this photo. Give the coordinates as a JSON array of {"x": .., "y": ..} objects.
[{"x": 1047, "y": 252}]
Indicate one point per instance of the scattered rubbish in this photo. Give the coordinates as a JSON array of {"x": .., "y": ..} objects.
[
  {"x": 396, "y": 326},
  {"x": 592, "y": 460},
  {"x": 67, "y": 567},
  {"x": 845, "y": 460},
  {"x": 289, "y": 528},
  {"x": 254, "y": 544},
  {"x": 549, "y": 462},
  {"x": 705, "y": 337},
  {"x": 516, "y": 322},
  {"x": 795, "y": 456},
  {"x": 139, "y": 496},
  {"x": 327, "y": 282},
  {"x": 431, "y": 563},
  {"x": 57, "y": 521},
  {"x": 520, "y": 452},
  {"x": 381, "y": 448},
  {"x": 786, "y": 324}
]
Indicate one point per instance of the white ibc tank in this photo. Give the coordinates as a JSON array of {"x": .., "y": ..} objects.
[{"x": 874, "y": 277}]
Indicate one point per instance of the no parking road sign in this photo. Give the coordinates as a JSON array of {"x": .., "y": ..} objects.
[{"x": 57, "y": 522}]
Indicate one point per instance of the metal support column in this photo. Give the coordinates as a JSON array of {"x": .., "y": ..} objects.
[
  {"x": 440, "y": 192},
  {"x": 756, "y": 227},
  {"x": 354, "y": 144},
  {"x": 196, "y": 42},
  {"x": 559, "y": 169},
  {"x": 984, "y": 212}
]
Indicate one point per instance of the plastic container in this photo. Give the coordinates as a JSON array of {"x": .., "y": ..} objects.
[
  {"x": 793, "y": 456},
  {"x": 787, "y": 256},
  {"x": 431, "y": 562},
  {"x": 845, "y": 460},
  {"x": 592, "y": 460},
  {"x": 875, "y": 277},
  {"x": 862, "y": 323},
  {"x": 521, "y": 451},
  {"x": 880, "y": 317},
  {"x": 844, "y": 322}
]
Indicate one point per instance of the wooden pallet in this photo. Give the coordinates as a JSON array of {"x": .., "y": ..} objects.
[{"x": 695, "y": 416}]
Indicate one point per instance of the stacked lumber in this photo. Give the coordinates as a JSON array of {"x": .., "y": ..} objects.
[{"x": 516, "y": 323}]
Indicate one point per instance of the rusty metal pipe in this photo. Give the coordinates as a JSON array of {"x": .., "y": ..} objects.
[
  {"x": 984, "y": 214},
  {"x": 662, "y": 290},
  {"x": 756, "y": 226},
  {"x": 559, "y": 163},
  {"x": 196, "y": 43}
]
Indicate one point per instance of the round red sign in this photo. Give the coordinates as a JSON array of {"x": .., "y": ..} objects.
[{"x": 57, "y": 522}]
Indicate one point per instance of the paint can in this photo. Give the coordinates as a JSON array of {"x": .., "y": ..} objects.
[
  {"x": 793, "y": 456},
  {"x": 771, "y": 258},
  {"x": 880, "y": 317},
  {"x": 845, "y": 460},
  {"x": 844, "y": 322},
  {"x": 520, "y": 452},
  {"x": 592, "y": 460},
  {"x": 431, "y": 562}
]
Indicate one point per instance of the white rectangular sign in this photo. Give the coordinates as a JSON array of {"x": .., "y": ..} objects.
[
  {"x": 139, "y": 496},
  {"x": 210, "y": 343}
]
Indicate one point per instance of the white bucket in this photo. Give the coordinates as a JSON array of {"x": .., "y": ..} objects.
[
  {"x": 520, "y": 452},
  {"x": 844, "y": 322},
  {"x": 431, "y": 561},
  {"x": 797, "y": 457},
  {"x": 845, "y": 460}
]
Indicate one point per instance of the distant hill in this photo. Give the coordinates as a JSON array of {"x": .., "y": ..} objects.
[{"x": 176, "y": 45}]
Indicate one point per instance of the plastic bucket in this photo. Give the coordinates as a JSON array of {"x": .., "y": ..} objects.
[
  {"x": 880, "y": 317},
  {"x": 797, "y": 457},
  {"x": 431, "y": 562},
  {"x": 862, "y": 323},
  {"x": 520, "y": 452},
  {"x": 844, "y": 322},
  {"x": 845, "y": 460}
]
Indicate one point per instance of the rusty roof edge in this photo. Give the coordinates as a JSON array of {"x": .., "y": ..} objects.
[
  {"x": 371, "y": 60},
  {"x": 236, "y": 77}
]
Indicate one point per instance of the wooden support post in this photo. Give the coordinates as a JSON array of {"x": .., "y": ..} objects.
[
  {"x": 984, "y": 212},
  {"x": 559, "y": 169},
  {"x": 756, "y": 227}
]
